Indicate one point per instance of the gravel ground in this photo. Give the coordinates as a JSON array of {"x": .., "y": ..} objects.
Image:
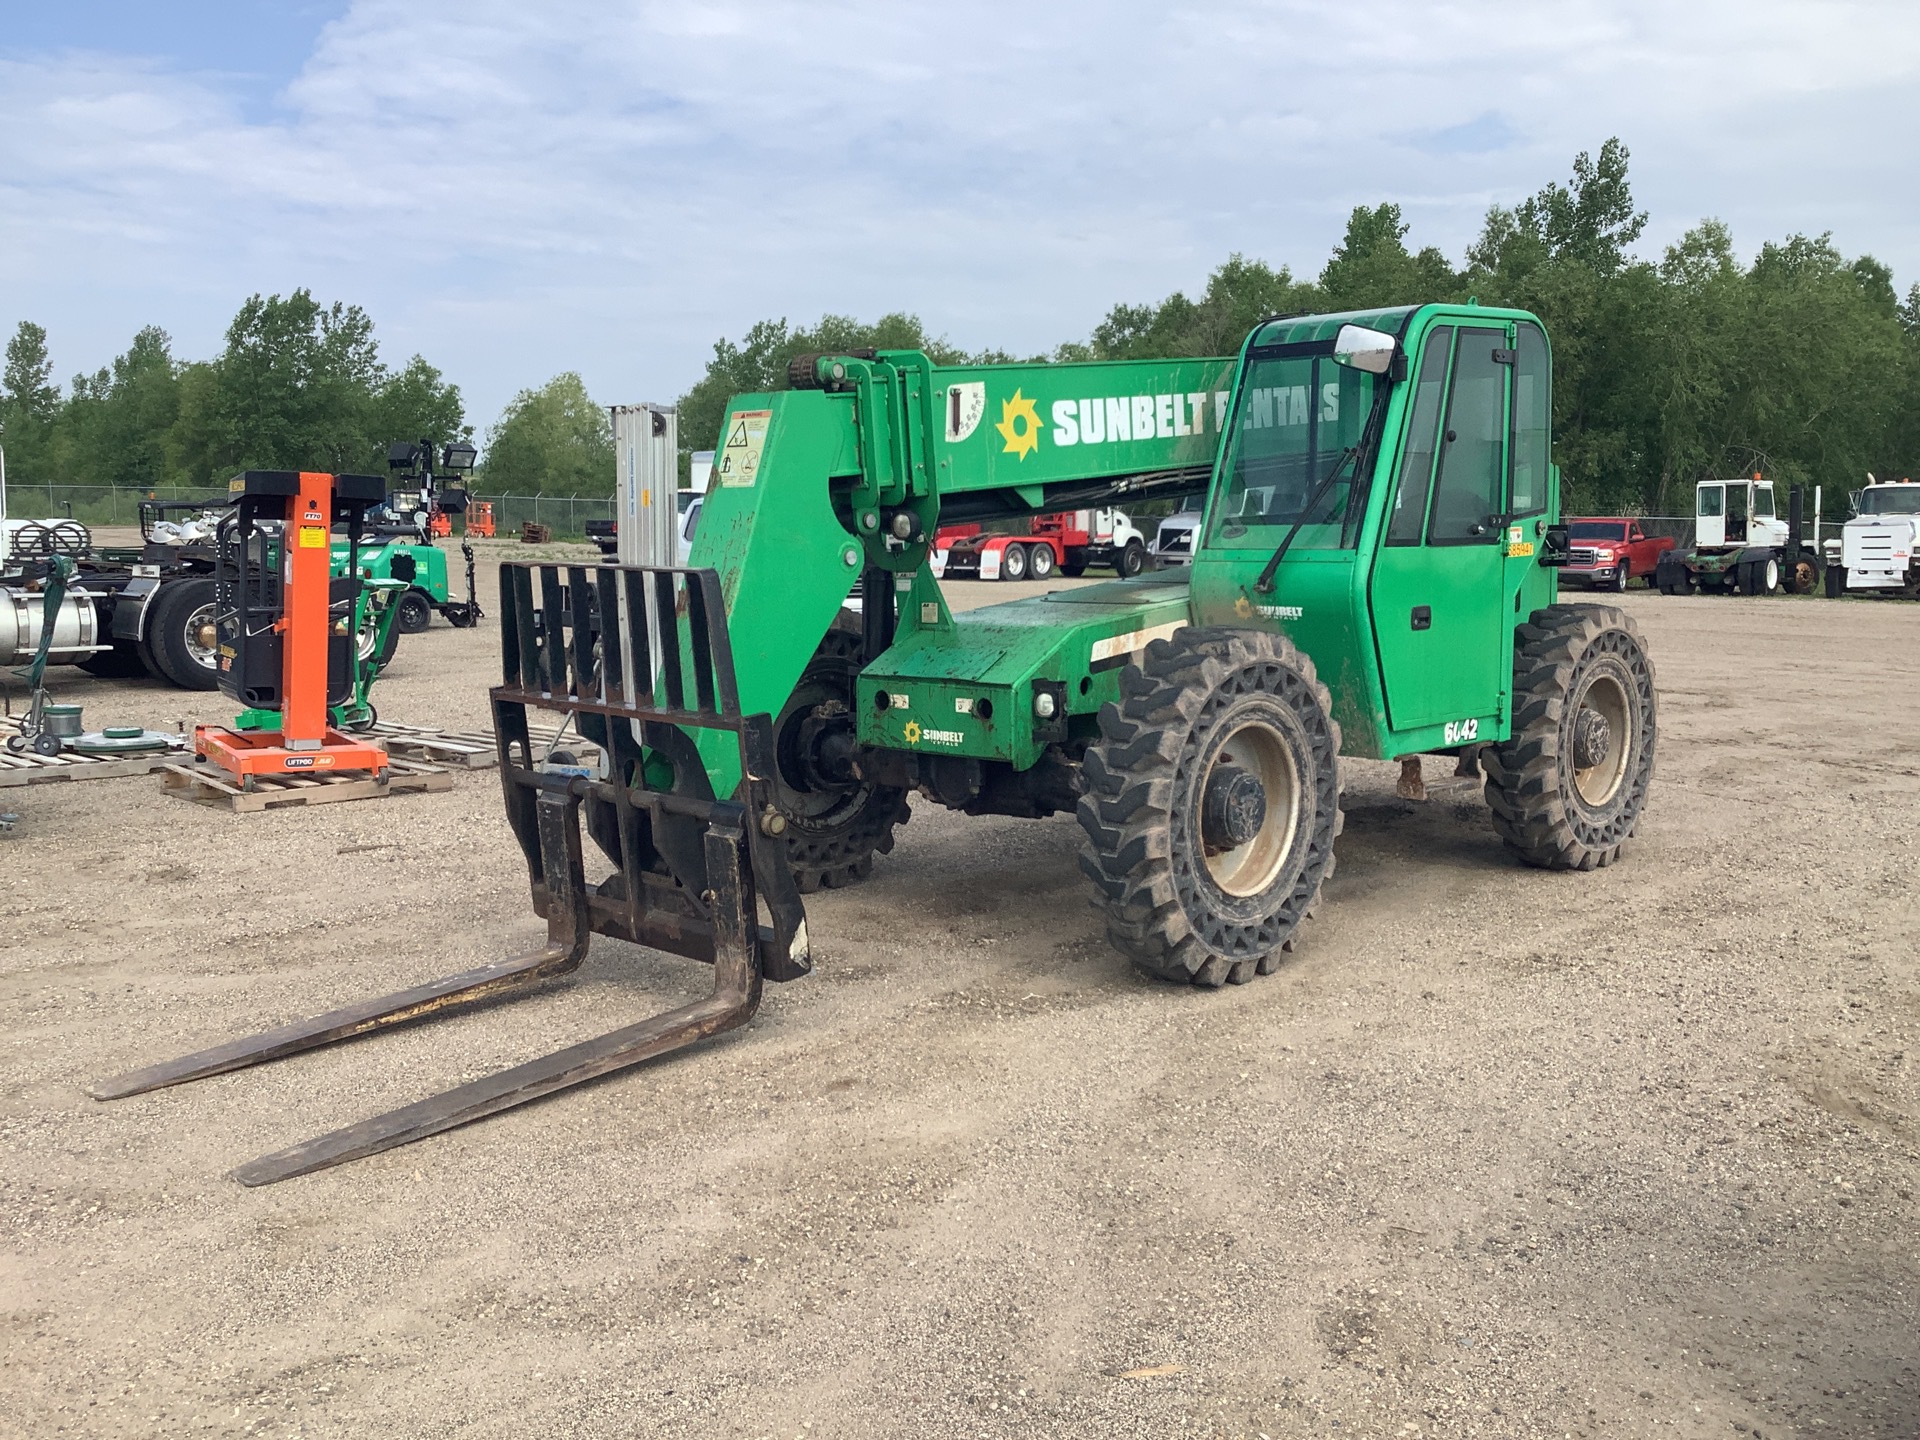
[{"x": 1499, "y": 1153}]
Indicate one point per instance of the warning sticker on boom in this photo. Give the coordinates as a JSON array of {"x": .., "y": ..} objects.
[{"x": 739, "y": 460}]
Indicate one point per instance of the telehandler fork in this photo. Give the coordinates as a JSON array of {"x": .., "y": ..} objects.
[{"x": 630, "y": 656}]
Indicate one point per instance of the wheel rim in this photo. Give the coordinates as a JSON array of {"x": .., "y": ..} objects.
[
  {"x": 1013, "y": 564},
  {"x": 1605, "y": 698},
  {"x": 1773, "y": 575},
  {"x": 1249, "y": 868},
  {"x": 203, "y": 637},
  {"x": 1040, "y": 562},
  {"x": 1803, "y": 577}
]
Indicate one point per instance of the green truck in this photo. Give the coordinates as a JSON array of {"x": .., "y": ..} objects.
[{"x": 1374, "y": 576}]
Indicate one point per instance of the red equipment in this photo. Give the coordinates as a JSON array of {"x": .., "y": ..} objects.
[{"x": 280, "y": 646}]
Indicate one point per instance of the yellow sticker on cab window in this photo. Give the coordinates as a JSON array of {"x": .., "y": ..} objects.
[{"x": 313, "y": 537}]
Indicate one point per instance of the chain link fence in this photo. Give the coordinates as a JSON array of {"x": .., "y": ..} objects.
[{"x": 111, "y": 505}]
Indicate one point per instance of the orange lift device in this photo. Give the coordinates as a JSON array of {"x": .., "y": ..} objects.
[{"x": 286, "y": 638}]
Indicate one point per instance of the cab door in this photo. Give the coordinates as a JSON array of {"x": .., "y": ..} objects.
[{"x": 1438, "y": 582}]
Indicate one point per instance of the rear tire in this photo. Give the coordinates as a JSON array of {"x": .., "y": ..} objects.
[
  {"x": 1836, "y": 581},
  {"x": 1211, "y": 805},
  {"x": 1013, "y": 563},
  {"x": 1040, "y": 562},
  {"x": 181, "y": 636},
  {"x": 1567, "y": 790}
]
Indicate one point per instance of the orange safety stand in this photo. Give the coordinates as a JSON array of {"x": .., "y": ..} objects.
[{"x": 305, "y": 742}]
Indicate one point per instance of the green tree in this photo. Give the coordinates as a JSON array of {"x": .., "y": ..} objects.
[
  {"x": 294, "y": 388},
  {"x": 1238, "y": 296},
  {"x": 28, "y": 400},
  {"x": 1372, "y": 268},
  {"x": 757, "y": 364},
  {"x": 113, "y": 428},
  {"x": 415, "y": 402},
  {"x": 551, "y": 441}
]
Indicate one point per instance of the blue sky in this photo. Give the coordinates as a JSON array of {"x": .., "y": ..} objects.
[{"x": 514, "y": 190}]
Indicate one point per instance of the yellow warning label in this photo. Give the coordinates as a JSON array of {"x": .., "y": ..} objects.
[
  {"x": 739, "y": 460},
  {"x": 313, "y": 537},
  {"x": 1519, "y": 549}
]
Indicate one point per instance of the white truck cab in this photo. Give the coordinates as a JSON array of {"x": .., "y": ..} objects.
[
  {"x": 1736, "y": 512},
  {"x": 1879, "y": 548}
]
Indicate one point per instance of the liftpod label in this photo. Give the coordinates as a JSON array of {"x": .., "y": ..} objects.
[{"x": 739, "y": 462}]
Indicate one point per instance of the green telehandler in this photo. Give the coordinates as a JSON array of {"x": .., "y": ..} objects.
[{"x": 1374, "y": 576}]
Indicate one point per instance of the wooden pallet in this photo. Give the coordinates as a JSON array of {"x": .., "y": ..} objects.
[
  {"x": 467, "y": 749},
  {"x": 209, "y": 785},
  {"x": 32, "y": 769}
]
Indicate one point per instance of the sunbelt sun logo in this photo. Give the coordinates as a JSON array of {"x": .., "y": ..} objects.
[{"x": 1104, "y": 419}]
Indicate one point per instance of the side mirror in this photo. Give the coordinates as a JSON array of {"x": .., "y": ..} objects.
[
  {"x": 1362, "y": 349},
  {"x": 1556, "y": 547}
]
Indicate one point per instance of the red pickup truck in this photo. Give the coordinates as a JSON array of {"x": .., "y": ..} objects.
[{"x": 1608, "y": 551}]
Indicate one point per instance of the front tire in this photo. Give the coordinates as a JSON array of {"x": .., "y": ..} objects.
[
  {"x": 1133, "y": 559},
  {"x": 836, "y": 822},
  {"x": 1211, "y": 804},
  {"x": 1619, "y": 586},
  {"x": 1568, "y": 787}
]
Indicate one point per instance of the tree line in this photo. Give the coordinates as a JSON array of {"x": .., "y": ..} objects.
[
  {"x": 1801, "y": 363},
  {"x": 296, "y": 386}
]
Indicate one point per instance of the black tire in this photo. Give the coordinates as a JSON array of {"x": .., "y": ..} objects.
[
  {"x": 1013, "y": 563},
  {"x": 1620, "y": 577},
  {"x": 1074, "y": 566},
  {"x": 1133, "y": 559},
  {"x": 184, "y": 659},
  {"x": 836, "y": 823},
  {"x": 1040, "y": 564},
  {"x": 45, "y": 744},
  {"x": 122, "y": 662},
  {"x": 1572, "y": 662},
  {"x": 1836, "y": 581},
  {"x": 415, "y": 613},
  {"x": 1178, "y": 902},
  {"x": 1804, "y": 576}
]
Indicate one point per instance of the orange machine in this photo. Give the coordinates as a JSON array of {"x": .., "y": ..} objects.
[{"x": 281, "y": 647}]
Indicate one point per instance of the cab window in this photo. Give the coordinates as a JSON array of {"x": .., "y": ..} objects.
[
  {"x": 1471, "y": 487},
  {"x": 1423, "y": 437},
  {"x": 1712, "y": 502},
  {"x": 1532, "y": 418}
]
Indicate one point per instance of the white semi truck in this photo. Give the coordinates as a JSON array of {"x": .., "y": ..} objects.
[{"x": 1878, "y": 551}]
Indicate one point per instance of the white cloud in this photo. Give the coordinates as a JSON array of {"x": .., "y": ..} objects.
[{"x": 515, "y": 190}]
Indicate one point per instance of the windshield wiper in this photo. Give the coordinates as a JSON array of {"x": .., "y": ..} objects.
[
  {"x": 1369, "y": 441},
  {"x": 1264, "y": 584}
]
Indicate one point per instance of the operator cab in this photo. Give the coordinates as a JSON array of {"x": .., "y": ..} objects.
[{"x": 1386, "y": 473}]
